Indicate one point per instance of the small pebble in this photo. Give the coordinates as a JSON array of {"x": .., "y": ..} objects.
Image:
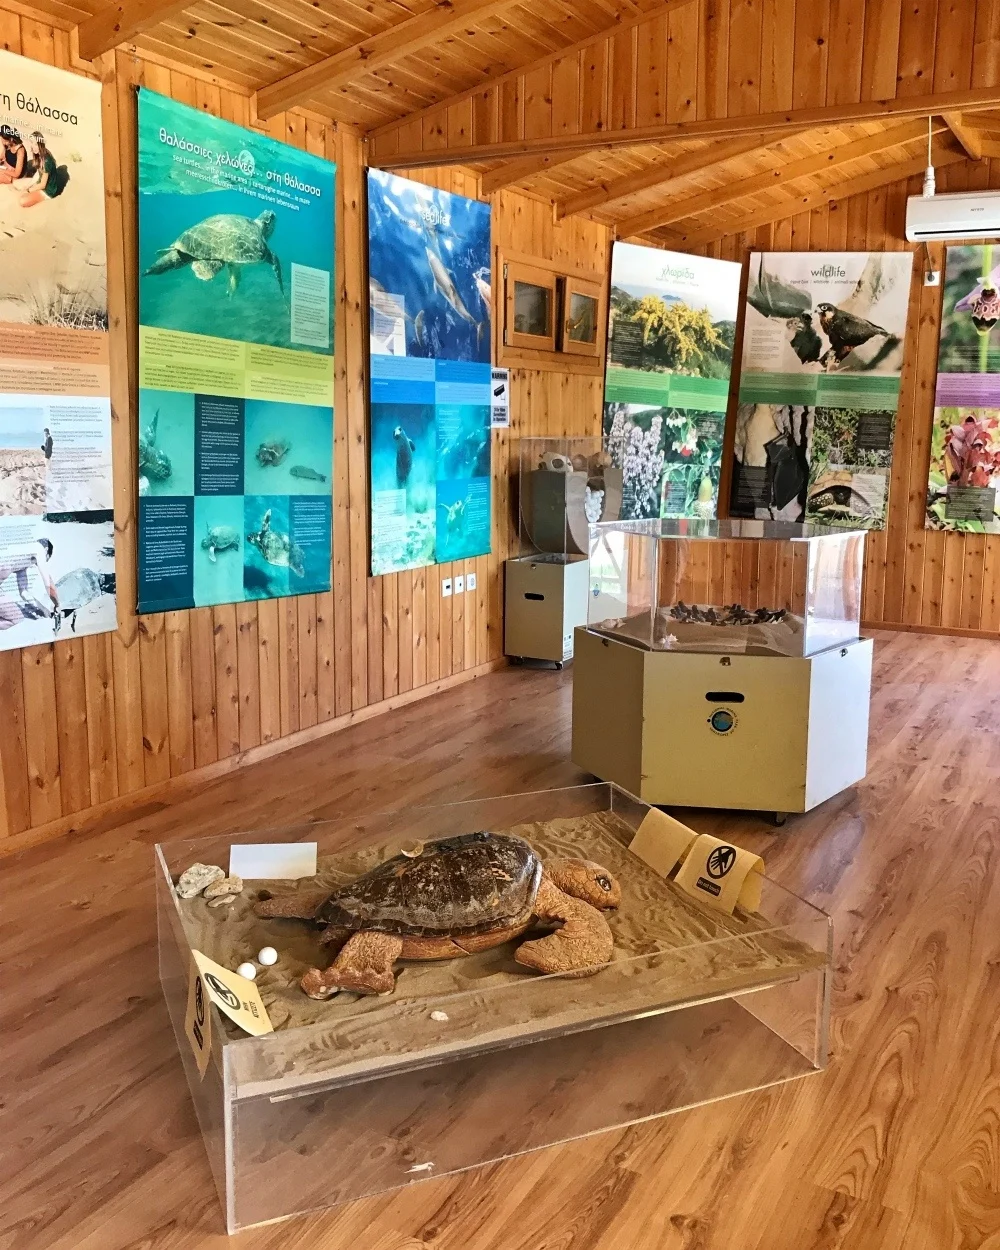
[
  {"x": 223, "y": 901},
  {"x": 267, "y": 956},
  {"x": 439, "y": 1015},
  {"x": 228, "y": 885},
  {"x": 197, "y": 878},
  {"x": 247, "y": 970}
]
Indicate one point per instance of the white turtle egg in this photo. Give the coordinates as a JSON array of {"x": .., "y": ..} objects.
[
  {"x": 247, "y": 970},
  {"x": 267, "y": 956}
]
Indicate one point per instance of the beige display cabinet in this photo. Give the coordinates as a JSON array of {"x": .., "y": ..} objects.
[
  {"x": 475, "y": 1060},
  {"x": 684, "y": 697},
  {"x": 563, "y": 483}
]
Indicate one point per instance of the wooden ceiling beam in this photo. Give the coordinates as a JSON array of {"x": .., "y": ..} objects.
[
  {"x": 762, "y": 124},
  {"x": 123, "y": 22},
  {"x": 446, "y": 18},
  {"x": 738, "y": 189},
  {"x": 621, "y": 24},
  {"x": 815, "y": 199},
  {"x": 662, "y": 176},
  {"x": 510, "y": 172},
  {"x": 968, "y": 136}
]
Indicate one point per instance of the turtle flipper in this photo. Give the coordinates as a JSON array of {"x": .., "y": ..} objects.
[
  {"x": 205, "y": 269},
  {"x": 582, "y": 946},
  {"x": 276, "y": 266},
  {"x": 169, "y": 258},
  {"x": 364, "y": 966},
  {"x": 298, "y": 906},
  {"x": 234, "y": 278}
]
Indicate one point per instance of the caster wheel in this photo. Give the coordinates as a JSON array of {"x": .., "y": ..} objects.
[
  {"x": 778, "y": 819},
  {"x": 516, "y": 659},
  {"x": 559, "y": 666}
]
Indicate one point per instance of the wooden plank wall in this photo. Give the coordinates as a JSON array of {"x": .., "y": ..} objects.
[{"x": 90, "y": 723}]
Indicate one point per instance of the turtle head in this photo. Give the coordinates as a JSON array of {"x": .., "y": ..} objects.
[
  {"x": 267, "y": 221},
  {"x": 583, "y": 879}
]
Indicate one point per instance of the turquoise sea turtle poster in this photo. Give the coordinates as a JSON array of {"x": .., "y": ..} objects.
[
  {"x": 430, "y": 340},
  {"x": 236, "y": 283}
]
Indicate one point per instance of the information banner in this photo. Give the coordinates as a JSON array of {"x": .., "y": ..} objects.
[
  {"x": 963, "y": 491},
  {"x": 429, "y": 300},
  {"x": 235, "y": 459},
  {"x": 822, "y": 355},
  {"x": 671, "y": 328},
  {"x": 57, "y": 533}
]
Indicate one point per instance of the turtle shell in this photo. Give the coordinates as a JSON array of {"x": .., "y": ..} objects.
[
  {"x": 225, "y": 237},
  {"x": 469, "y": 884}
]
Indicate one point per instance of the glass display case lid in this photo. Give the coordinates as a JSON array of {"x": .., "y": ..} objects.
[{"x": 734, "y": 530}]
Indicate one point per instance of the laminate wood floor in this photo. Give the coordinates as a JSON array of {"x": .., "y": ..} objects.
[{"x": 895, "y": 1147}]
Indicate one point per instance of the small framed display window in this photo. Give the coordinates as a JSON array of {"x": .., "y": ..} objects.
[
  {"x": 531, "y": 307},
  {"x": 583, "y": 317}
]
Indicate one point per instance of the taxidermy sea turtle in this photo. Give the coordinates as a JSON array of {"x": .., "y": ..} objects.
[
  {"x": 455, "y": 897},
  {"x": 226, "y": 240}
]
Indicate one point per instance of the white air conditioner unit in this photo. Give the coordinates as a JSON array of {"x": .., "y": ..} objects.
[{"x": 973, "y": 215}]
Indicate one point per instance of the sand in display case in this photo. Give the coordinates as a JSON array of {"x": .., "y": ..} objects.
[
  {"x": 672, "y": 586},
  {"x": 564, "y": 484},
  {"x": 471, "y": 1060}
]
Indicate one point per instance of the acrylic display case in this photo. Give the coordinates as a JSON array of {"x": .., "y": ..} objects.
[
  {"x": 726, "y": 587},
  {"x": 473, "y": 1060},
  {"x": 564, "y": 484}
]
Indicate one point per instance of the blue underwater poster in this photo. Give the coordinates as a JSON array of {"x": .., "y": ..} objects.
[
  {"x": 429, "y": 301},
  {"x": 235, "y": 456}
]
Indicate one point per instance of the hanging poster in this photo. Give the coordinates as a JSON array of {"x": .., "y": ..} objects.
[
  {"x": 671, "y": 328},
  {"x": 822, "y": 355},
  {"x": 57, "y": 534},
  {"x": 235, "y": 456},
  {"x": 963, "y": 491},
  {"x": 429, "y": 301}
]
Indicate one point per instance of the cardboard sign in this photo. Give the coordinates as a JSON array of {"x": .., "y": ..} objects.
[
  {"x": 662, "y": 842},
  {"x": 722, "y": 875},
  {"x": 234, "y": 995},
  {"x": 272, "y": 861},
  {"x": 198, "y": 1020}
]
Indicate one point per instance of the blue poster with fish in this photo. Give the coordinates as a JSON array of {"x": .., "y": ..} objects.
[
  {"x": 236, "y": 299},
  {"x": 430, "y": 336}
]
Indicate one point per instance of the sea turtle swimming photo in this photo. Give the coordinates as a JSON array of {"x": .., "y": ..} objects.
[
  {"x": 220, "y": 538},
  {"x": 272, "y": 451},
  {"x": 226, "y": 240},
  {"x": 452, "y": 897},
  {"x": 153, "y": 463},
  {"x": 276, "y": 547}
]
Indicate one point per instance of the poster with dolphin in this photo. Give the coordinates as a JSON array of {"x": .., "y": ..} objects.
[
  {"x": 823, "y": 341},
  {"x": 430, "y": 336}
]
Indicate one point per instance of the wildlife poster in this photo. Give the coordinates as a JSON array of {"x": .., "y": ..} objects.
[
  {"x": 671, "y": 329},
  {"x": 57, "y": 555},
  {"x": 963, "y": 490},
  {"x": 431, "y": 381},
  {"x": 235, "y": 448},
  {"x": 822, "y": 355}
]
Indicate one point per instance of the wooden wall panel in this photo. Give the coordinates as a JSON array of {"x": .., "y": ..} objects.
[{"x": 91, "y": 722}]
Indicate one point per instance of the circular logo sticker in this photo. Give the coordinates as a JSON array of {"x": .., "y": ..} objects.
[
  {"x": 722, "y": 721},
  {"x": 223, "y": 991},
  {"x": 721, "y": 861}
]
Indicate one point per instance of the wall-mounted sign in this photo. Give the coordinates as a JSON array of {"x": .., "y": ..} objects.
[
  {"x": 429, "y": 300},
  {"x": 963, "y": 491},
  {"x": 671, "y": 328},
  {"x": 822, "y": 353},
  {"x": 57, "y": 533},
  {"x": 235, "y": 457}
]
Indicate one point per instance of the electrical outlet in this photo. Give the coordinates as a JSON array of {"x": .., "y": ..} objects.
[
  {"x": 932, "y": 277},
  {"x": 446, "y": 588},
  {"x": 470, "y": 581},
  {"x": 459, "y": 585}
]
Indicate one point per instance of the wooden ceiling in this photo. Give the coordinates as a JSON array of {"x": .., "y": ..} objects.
[{"x": 676, "y": 121}]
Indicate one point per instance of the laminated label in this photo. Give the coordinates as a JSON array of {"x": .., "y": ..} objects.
[
  {"x": 722, "y": 875},
  {"x": 662, "y": 842},
  {"x": 234, "y": 995}
]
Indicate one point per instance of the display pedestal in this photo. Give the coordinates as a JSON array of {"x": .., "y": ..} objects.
[
  {"x": 759, "y": 733},
  {"x": 470, "y": 1061},
  {"x": 545, "y": 599}
]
